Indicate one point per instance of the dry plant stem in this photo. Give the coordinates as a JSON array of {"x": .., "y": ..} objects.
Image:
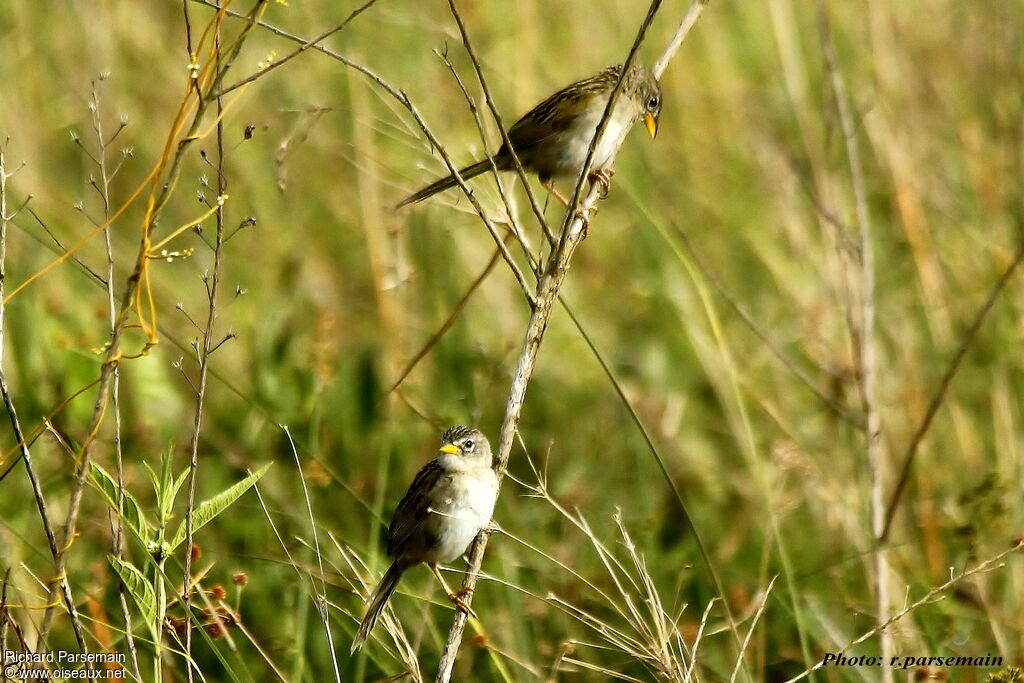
[
  {"x": 321, "y": 595},
  {"x": 26, "y": 456},
  {"x": 772, "y": 345},
  {"x": 753, "y": 625},
  {"x": 117, "y": 535},
  {"x": 449, "y": 321},
  {"x": 549, "y": 286},
  {"x": 523, "y": 176},
  {"x": 696, "y": 640},
  {"x": 868, "y": 342},
  {"x": 692, "y": 14},
  {"x": 576, "y": 219},
  {"x": 940, "y": 392},
  {"x": 513, "y": 224},
  {"x": 682, "y": 31},
  {"x": 491, "y": 228},
  {"x": 161, "y": 193},
  {"x": 3, "y": 605},
  {"x": 404, "y": 100},
  {"x": 505, "y": 254},
  {"x": 547, "y": 293},
  {"x": 212, "y": 282},
  {"x": 60, "y": 245},
  {"x": 987, "y": 565},
  {"x": 305, "y": 46},
  {"x": 687, "y": 517}
]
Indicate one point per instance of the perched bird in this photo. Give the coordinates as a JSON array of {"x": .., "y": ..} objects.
[
  {"x": 448, "y": 503},
  {"x": 552, "y": 138}
]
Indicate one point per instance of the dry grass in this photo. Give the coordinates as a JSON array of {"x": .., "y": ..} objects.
[{"x": 721, "y": 291}]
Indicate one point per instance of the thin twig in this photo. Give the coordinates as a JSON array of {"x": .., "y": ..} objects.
[
  {"x": 56, "y": 240},
  {"x": 682, "y": 31},
  {"x": 4, "y": 583},
  {"x": 449, "y": 321},
  {"x": 305, "y": 46},
  {"x": 117, "y": 521},
  {"x": 772, "y": 345},
  {"x": 212, "y": 283},
  {"x": 321, "y": 595},
  {"x": 925, "y": 599},
  {"x": 753, "y": 625},
  {"x": 944, "y": 384},
  {"x": 550, "y": 285},
  {"x": 160, "y": 194},
  {"x": 523, "y": 176},
  {"x": 576, "y": 219},
  {"x": 61, "y": 582},
  {"x": 868, "y": 342},
  {"x": 502, "y": 192},
  {"x": 697, "y": 640},
  {"x": 531, "y": 298},
  {"x": 404, "y": 100}
]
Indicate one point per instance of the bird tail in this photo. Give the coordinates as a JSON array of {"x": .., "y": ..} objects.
[
  {"x": 381, "y": 594},
  {"x": 433, "y": 188}
]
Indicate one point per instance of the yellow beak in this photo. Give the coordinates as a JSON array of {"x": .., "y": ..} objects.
[
  {"x": 651, "y": 124},
  {"x": 450, "y": 448}
]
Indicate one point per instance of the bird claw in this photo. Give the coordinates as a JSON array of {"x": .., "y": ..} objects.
[
  {"x": 602, "y": 177},
  {"x": 583, "y": 215},
  {"x": 456, "y": 598}
]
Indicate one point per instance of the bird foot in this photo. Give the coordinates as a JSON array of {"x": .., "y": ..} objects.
[
  {"x": 602, "y": 177},
  {"x": 549, "y": 185},
  {"x": 583, "y": 215},
  {"x": 457, "y": 598}
]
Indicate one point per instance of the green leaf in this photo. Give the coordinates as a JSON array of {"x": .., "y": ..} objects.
[
  {"x": 139, "y": 588},
  {"x": 132, "y": 511},
  {"x": 182, "y": 478},
  {"x": 210, "y": 508},
  {"x": 165, "y": 475},
  {"x": 155, "y": 479}
]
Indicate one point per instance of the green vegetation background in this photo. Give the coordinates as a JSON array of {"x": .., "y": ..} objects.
[{"x": 330, "y": 294}]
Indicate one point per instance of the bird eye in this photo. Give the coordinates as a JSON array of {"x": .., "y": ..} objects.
[
  {"x": 653, "y": 102},
  {"x": 467, "y": 445}
]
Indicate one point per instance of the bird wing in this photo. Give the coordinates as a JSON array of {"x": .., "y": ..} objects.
[
  {"x": 412, "y": 510},
  {"x": 548, "y": 118},
  {"x": 556, "y": 113}
]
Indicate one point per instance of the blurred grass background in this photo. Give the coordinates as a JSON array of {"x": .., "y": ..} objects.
[{"x": 331, "y": 294}]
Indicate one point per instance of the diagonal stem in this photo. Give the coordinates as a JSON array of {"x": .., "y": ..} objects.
[
  {"x": 26, "y": 456},
  {"x": 547, "y": 295},
  {"x": 160, "y": 195},
  {"x": 212, "y": 282},
  {"x": 868, "y": 339},
  {"x": 940, "y": 392},
  {"x": 501, "y": 127}
]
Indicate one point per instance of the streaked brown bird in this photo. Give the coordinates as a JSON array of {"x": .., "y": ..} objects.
[
  {"x": 448, "y": 503},
  {"x": 552, "y": 138}
]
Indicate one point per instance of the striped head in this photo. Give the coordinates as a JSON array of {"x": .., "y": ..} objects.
[
  {"x": 466, "y": 443},
  {"x": 642, "y": 88}
]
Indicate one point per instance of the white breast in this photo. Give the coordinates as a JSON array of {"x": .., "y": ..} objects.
[
  {"x": 464, "y": 513},
  {"x": 582, "y": 132}
]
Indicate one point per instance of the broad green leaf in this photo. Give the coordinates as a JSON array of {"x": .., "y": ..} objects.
[
  {"x": 133, "y": 514},
  {"x": 139, "y": 588},
  {"x": 210, "y": 508}
]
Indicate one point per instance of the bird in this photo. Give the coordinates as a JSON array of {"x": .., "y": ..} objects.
[
  {"x": 449, "y": 502},
  {"x": 552, "y": 139}
]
